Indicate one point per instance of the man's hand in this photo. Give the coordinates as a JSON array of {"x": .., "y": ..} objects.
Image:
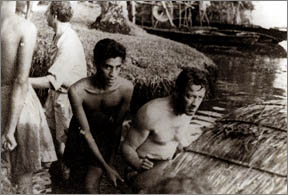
[
  {"x": 145, "y": 164},
  {"x": 8, "y": 142},
  {"x": 113, "y": 175}
]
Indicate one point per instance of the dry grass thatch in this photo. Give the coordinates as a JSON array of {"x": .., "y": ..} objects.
[
  {"x": 224, "y": 177},
  {"x": 254, "y": 138}
]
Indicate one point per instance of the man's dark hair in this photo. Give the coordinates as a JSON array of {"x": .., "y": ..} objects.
[
  {"x": 108, "y": 48},
  {"x": 61, "y": 9},
  {"x": 188, "y": 76}
]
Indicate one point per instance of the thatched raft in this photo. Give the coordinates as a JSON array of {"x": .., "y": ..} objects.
[
  {"x": 260, "y": 144},
  {"x": 244, "y": 153},
  {"x": 270, "y": 114},
  {"x": 222, "y": 177}
]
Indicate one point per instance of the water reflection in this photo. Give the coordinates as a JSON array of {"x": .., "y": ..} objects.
[
  {"x": 280, "y": 81},
  {"x": 245, "y": 80}
]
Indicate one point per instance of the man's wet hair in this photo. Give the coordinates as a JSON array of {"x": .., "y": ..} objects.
[
  {"x": 188, "y": 76},
  {"x": 108, "y": 48},
  {"x": 62, "y": 9}
]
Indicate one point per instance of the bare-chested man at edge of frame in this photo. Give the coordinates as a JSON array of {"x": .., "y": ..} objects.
[{"x": 26, "y": 138}]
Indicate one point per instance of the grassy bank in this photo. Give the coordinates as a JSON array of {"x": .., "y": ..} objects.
[{"x": 150, "y": 59}]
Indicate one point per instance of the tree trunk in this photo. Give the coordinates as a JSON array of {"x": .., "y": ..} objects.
[{"x": 113, "y": 17}]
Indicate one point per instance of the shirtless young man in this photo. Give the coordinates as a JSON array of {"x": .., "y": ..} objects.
[
  {"x": 24, "y": 129},
  {"x": 99, "y": 105},
  {"x": 161, "y": 125}
]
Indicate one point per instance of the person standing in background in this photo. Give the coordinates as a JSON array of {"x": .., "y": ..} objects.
[{"x": 68, "y": 66}]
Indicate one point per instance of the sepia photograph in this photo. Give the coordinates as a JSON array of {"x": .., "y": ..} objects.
[{"x": 143, "y": 97}]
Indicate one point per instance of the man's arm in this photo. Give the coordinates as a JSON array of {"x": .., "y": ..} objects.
[
  {"x": 40, "y": 82},
  {"x": 135, "y": 138},
  {"x": 125, "y": 106},
  {"x": 76, "y": 100},
  {"x": 20, "y": 84}
]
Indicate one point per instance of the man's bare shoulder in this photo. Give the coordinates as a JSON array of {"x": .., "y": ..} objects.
[
  {"x": 80, "y": 85},
  {"x": 20, "y": 24},
  {"x": 152, "y": 111}
]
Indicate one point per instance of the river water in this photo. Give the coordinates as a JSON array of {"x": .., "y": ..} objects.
[{"x": 246, "y": 79}]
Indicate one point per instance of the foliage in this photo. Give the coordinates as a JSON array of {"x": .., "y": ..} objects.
[
  {"x": 148, "y": 89},
  {"x": 41, "y": 61},
  {"x": 227, "y": 11},
  {"x": 6, "y": 186},
  {"x": 111, "y": 18}
]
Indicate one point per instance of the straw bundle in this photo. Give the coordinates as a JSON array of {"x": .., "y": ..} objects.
[{"x": 253, "y": 138}]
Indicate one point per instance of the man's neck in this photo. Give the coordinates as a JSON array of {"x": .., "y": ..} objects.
[
  {"x": 175, "y": 104},
  {"x": 100, "y": 83}
]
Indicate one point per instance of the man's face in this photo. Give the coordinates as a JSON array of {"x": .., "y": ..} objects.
[
  {"x": 111, "y": 69},
  {"x": 192, "y": 99}
]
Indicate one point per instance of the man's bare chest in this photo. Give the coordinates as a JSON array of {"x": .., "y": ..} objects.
[
  {"x": 169, "y": 130},
  {"x": 103, "y": 102}
]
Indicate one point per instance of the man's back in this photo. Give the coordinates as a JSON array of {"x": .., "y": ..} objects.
[{"x": 17, "y": 38}]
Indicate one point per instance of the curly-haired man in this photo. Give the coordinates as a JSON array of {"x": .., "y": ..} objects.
[{"x": 161, "y": 127}]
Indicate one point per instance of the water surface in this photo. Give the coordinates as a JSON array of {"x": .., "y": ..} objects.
[{"x": 246, "y": 80}]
